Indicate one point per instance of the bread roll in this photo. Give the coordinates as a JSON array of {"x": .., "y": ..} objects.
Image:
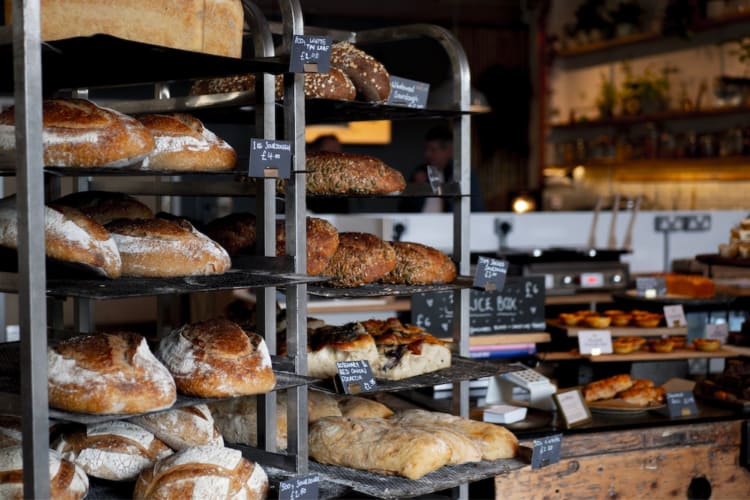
[
  {"x": 67, "y": 480},
  {"x": 111, "y": 373},
  {"x": 104, "y": 207},
  {"x": 216, "y": 358},
  {"x": 163, "y": 248},
  {"x": 70, "y": 237},
  {"x": 10, "y": 431},
  {"x": 182, "y": 428},
  {"x": 357, "y": 407},
  {"x": 418, "y": 264},
  {"x": 235, "y": 232},
  {"x": 78, "y": 133},
  {"x": 360, "y": 258},
  {"x": 329, "y": 344},
  {"x": 496, "y": 442},
  {"x": 332, "y": 85},
  {"x": 369, "y": 76},
  {"x": 183, "y": 143},
  {"x": 322, "y": 242},
  {"x": 117, "y": 451},
  {"x": 203, "y": 472},
  {"x": 377, "y": 445},
  {"x": 350, "y": 174}
]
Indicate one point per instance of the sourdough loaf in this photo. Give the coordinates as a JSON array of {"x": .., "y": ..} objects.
[
  {"x": 235, "y": 232},
  {"x": 67, "y": 480},
  {"x": 360, "y": 258},
  {"x": 104, "y": 206},
  {"x": 182, "y": 428},
  {"x": 322, "y": 242},
  {"x": 349, "y": 173}
]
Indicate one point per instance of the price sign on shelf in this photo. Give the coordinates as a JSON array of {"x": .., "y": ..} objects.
[
  {"x": 490, "y": 274},
  {"x": 675, "y": 316},
  {"x": 300, "y": 488},
  {"x": 595, "y": 342},
  {"x": 354, "y": 377},
  {"x": 719, "y": 331},
  {"x": 409, "y": 93},
  {"x": 310, "y": 54},
  {"x": 270, "y": 158},
  {"x": 546, "y": 451},
  {"x": 681, "y": 404}
]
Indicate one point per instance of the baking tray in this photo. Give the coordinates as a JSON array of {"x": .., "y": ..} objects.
[
  {"x": 101, "y": 289},
  {"x": 382, "y": 289},
  {"x": 460, "y": 369}
]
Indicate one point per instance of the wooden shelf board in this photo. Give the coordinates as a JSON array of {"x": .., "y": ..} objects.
[
  {"x": 622, "y": 331},
  {"x": 739, "y": 350},
  {"x": 507, "y": 339},
  {"x": 680, "y": 354},
  {"x": 579, "y": 298}
]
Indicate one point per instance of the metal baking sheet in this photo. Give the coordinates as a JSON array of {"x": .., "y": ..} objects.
[
  {"x": 460, "y": 369},
  {"x": 382, "y": 289},
  {"x": 137, "y": 287},
  {"x": 100, "y": 489}
]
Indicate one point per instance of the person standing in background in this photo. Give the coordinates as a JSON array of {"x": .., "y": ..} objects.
[{"x": 438, "y": 153}]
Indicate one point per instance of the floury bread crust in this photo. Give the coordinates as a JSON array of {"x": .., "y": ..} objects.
[
  {"x": 67, "y": 480},
  {"x": 78, "y": 133},
  {"x": 217, "y": 358},
  {"x": 329, "y": 344},
  {"x": 182, "y": 428},
  {"x": 104, "y": 207},
  {"x": 109, "y": 373}
]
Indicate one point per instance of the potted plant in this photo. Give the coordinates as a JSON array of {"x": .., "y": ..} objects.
[
  {"x": 607, "y": 99},
  {"x": 645, "y": 94}
]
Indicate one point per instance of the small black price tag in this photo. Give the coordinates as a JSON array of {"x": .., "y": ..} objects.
[
  {"x": 546, "y": 451},
  {"x": 650, "y": 286},
  {"x": 354, "y": 377},
  {"x": 681, "y": 404},
  {"x": 270, "y": 158},
  {"x": 300, "y": 488},
  {"x": 310, "y": 54},
  {"x": 409, "y": 93},
  {"x": 490, "y": 274}
]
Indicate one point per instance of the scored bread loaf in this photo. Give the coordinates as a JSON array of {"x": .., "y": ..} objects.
[
  {"x": 184, "y": 143},
  {"x": 78, "y": 133},
  {"x": 70, "y": 237},
  {"x": 349, "y": 173},
  {"x": 332, "y": 85},
  {"x": 377, "y": 445},
  {"x": 322, "y": 242},
  {"x": 10, "y": 431},
  {"x": 329, "y": 344},
  {"x": 104, "y": 207},
  {"x": 117, "y": 451},
  {"x": 358, "y": 407},
  {"x": 182, "y": 428},
  {"x": 67, "y": 480},
  {"x": 418, "y": 264},
  {"x": 368, "y": 74},
  {"x": 496, "y": 442},
  {"x": 110, "y": 373},
  {"x": 217, "y": 358},
  {"x": 360, "y": 258},
  {"x": 162, "y": 248},
  {"x": 203, "y": 472}
]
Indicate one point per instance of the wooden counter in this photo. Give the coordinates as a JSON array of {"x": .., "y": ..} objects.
[{"x": 655, "y": 462}]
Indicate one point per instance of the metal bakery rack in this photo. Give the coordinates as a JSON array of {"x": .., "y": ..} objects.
[{"x": 64, "y": 66}]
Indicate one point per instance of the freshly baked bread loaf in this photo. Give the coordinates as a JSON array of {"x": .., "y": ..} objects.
[
  {"x": 369, "y": 76},
  {"x": 69, "y": 235},
  {"x": 216, "y": 358},
  {"x": 322, "y": 242},
  {"x": 183, "y": 143},
  {"x": 203, "y": 472},
  {"x": 329, "y": 344},
  {"x": 495, "y": 441},
  {"x": 104, "y": 207},
  {"x": 108, "y": 373},
  {"x": 357, "y": 407},
  {"x": 117, "y": 451},
  {"x": 223, "y": 24},
  {"x": 235, "y": 232},
  {"x": 349, "y": 173},
  {"x": 163, "y": 248},
  {"x": 607, "y": 388},
  {"x": 642, "y": 396},
  {"x": 418, "y": 264},
  {"x": 321, "y": 405},
  {"x": 463, "y": 448},
  {"x": 10, "y": 431},
  {"x": 78, "y": 133},
  {"x": 360, "y": 258},
  {"x": 377, "y": 445},
  {"x": 182, "y": 428},
  {"x": 332, "y": 85},
  {"x": 67, "y": 480}
]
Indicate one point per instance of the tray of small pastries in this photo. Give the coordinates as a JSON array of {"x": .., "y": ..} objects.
[{"x": 619, "y": 323}]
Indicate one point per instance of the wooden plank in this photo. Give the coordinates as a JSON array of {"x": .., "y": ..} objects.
[
  {"x": 662, "y": 473},
  {"x": 741, "y": 351},
  {"x": 507, "y": 339},
  {"x": 676, "y": 355},
  {"x": 579, "y": 298},
  {"x": 622, "y": 331}
]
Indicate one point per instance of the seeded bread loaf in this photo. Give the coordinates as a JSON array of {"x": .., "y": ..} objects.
[
  {"x": 348, "y": 173},
  {"x": 322, "y": 242},
  {"x": 369, "y": 75},
  {"x": 418, "y": 264},
  {"x": 360, "y": 258}
]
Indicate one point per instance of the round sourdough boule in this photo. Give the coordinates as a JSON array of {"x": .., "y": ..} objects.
[
  {"x": 108, "y": 373},
  {"x": 322, "y": 242},
  {"x": 163, "y": 248},
  {"x": 116, "y": 451},
  {"x": 67, "y": 480},
  {"x": 203, "y": 472},
  {"x": 235, "y": 232},
  {"x": 104, "y": 207},
  {"x": 78, "y": 133},
  {"x": 349, "y": 173},
  {"x": 217, "y": 358},
  {"x": 418, "y": 264},
  {"x": 183, "y": 143},
  {"x": 10, "y": 430},
  {"x": 369, "y": 75},
  {"x": 182, "y": 428},
  {"x": 361, "y": 258}
]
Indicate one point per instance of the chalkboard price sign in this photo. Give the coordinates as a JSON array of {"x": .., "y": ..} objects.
[
  {"x": 490, "y": 274},
  {"x": 310, "y": 54},
  {"x": 681, "y": 404},
  {"x": 518, "y": 308},
  {"x": 546, "y": 451},
  {"x": 409, "y": 93},
  {"x": 270, "y": 158},
  {"x": 300, "y": 488},
  {"x": 354, "y": 377}
]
